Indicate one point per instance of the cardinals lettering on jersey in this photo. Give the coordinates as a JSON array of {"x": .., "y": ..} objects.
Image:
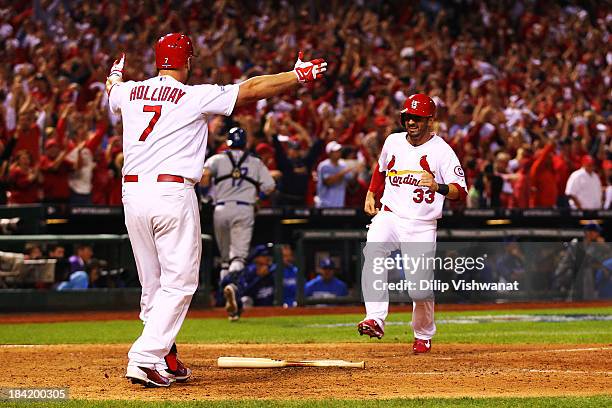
[{"x": 396, "y": 180}]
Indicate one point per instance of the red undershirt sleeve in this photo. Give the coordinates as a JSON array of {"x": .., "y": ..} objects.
[{"x": 377, "y": 181}]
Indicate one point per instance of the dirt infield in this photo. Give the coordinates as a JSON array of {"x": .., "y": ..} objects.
[
  {"x": 96, "y": 372},
  {"x": 55, "y": 317}
]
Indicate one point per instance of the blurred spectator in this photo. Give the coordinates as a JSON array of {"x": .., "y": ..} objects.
[
  {"x": 332, "y": 177},
  {"x": 253, "y": 286},
  {"x": 520, "y": 186},
  {"x": 295, "y": 163},
  {"x": 259, "y": 281},
  {"x": 510, "y": 266},
  {"x": 290, "y": 272},
  {"x": 6, "y": 150},
  {"x": 325, "y": 285},
  {"x": 28, "y": 133},
  {"x": 356, "y": 190},
  {"x": 563, "y": 166},
  {"x": 501, "y": 169},
  {"x": 57, "y": 251},
  {"x": 577, "y": 271},
  {"x": 492, "y": 185},
  {"x": 603, "y": 280},
  {"x": 114, "y": 156},
  {"x": 607, "y": 165},
  {"x": 62, "y": 266},
  {"x": 78, "y": 280},
  {"x": 24, "y": 180},
  {"x": 542, "y": 179},
  {"x": 94, "y": 272},
  {"x": 54, "y": 165},
  {"x": 81, "y": 180},
  {"x": 33, "y": 251},
  {"x": 55, "y": 170},
  {"x": 83, "y": 255},
  {"x": 584, "y": 187}
]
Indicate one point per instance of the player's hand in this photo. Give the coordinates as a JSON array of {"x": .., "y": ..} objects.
[
  {"x": 370, "y": 204},
  {"x": 117, "y": 68},
  {"x": 427, "y": 180},
  {"x": 307, "y": 71}
]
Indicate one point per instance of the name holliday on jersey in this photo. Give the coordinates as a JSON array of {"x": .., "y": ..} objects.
[
  {"x": 438, "y": 285},
  {"x": 159, "y": 94}
]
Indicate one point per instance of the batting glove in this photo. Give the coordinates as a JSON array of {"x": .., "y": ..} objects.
[
  {"x": 117, "y": 68},
  {"x": 307, "y": 71}
]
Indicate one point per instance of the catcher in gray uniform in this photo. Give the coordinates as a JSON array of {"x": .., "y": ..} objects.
[{"x": 237, "y": 179}]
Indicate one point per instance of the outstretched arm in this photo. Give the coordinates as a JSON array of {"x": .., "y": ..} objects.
[
  {"x": 116, "y": 74},
  {"x": 266, "y": 86}
]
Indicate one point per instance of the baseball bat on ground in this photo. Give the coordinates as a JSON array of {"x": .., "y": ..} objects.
[{"x": 247, "y": 362}]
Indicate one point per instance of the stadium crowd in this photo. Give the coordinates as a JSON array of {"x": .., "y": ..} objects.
[{"x": 522, "y": 90}]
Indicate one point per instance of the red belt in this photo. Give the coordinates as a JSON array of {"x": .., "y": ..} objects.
[
  {"x": 133, "y": 178},
  {"x": 385, "y": 208}
]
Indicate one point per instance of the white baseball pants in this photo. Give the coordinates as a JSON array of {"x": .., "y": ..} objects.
[
  {"x": 163, "y": 223},
  {"x": 388, "y": 227},
  {"x": 233, "y": 231}
]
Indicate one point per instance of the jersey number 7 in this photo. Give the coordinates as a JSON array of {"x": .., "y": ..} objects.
[{"x": 156, "y": 109}]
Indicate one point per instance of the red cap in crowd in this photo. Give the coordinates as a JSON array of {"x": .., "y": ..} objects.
[
  {"x": 263, "y": 149},
  {"x": 381, "y": 121},
  {"x": 586, "y": 160},
  {"x": 51, "y": 143}
]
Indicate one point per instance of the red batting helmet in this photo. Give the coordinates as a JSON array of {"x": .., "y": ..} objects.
[
  {"x": 173, "y": 51},
  {"x": 419, "y": 105}
]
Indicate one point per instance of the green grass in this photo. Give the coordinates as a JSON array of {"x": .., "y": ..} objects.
[
  {"x": 313, "y": 329},
  {"x": 560, "y": 402}
]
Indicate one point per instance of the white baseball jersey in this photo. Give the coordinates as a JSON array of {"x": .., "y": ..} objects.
[
  {"x": 586, "y": 187},
  {"x": 405, "y": 163},
  {"x": 165, "y": 124}
]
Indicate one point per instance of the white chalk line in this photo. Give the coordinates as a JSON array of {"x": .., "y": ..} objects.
[
  {"x": 501, "y": 371},
  {"x": 507, "y": 370},
  {"x": 469, "y": 320},
  {"x": 577, "y": 349},
  {"x": 23, "y": 345},
  {"x": 529, "y": 370}
]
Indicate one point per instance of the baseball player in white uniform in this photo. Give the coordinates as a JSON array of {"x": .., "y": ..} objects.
[
  {"x": 418, "y": 171},
  {"x": 164, "y": 139},
  {"x": 238, "y": 178}
]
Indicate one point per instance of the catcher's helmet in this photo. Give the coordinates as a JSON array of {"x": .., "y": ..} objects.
[
  {"x": 236, "y": 138},
  {"x": 418, "y": 105},
  {"x": 173, "y": 51}
]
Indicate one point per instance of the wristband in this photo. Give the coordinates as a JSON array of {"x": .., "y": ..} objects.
[{"x": 443, "y": 189}]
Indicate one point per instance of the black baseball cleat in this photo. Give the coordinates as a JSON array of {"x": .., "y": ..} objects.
[{"x": 147, "y": 377}]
